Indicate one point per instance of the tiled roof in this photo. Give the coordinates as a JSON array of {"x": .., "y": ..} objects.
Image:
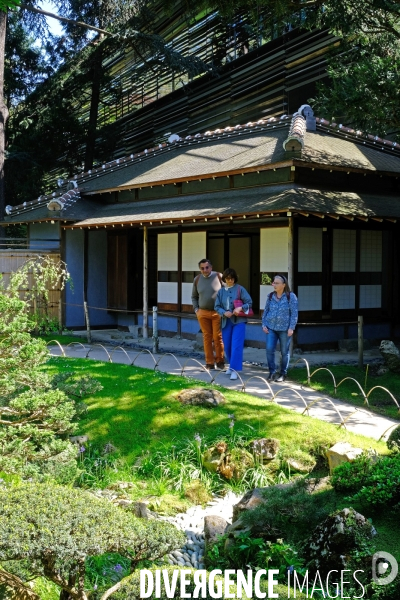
[
  {"x": 325, "y": 149},
  {"x": 241, "y": 150},
  {"x": 215, "y": 157},
  {"x": 39, "y": 212},
  {"x": 234, "y": 149},
  {"x": 250, "y": 203}
]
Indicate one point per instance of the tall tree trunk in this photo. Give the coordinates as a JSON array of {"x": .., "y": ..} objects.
[
  {"x": 97, "y": 76},
  {"x": 3, "y": 115}
]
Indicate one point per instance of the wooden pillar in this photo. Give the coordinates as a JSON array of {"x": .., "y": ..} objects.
[
  {"x": 290, "y": 267},
  {"x": 290, "y": 251},
  {"x": 360, "y": 324},
  {"x": 85, "y": 271},
  {"x": 145, "y": 285},
  {"x": 179, "y": 320}
]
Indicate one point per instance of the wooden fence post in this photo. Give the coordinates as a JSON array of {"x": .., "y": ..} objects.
[{"x": 360, "y": 322}]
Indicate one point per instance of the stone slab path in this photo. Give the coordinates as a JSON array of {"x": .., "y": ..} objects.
[{"x": 252, "y": 380}]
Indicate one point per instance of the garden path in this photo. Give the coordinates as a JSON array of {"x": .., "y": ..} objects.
[{"x": 252, "y": 380}]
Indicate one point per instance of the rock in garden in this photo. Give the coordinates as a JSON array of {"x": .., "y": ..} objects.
[
  {"x": 340, "y": 453},
  {"x": 391, "y": 355},
  {"x": 250, "y": 500},
  {"x": 236, "y": 463},
  {"x": 351, "y": 345},
  {"x": 382, "y": 370},
  {"x": 298, "y": 466},
  {"x": 140, "y": 510},
  {"x": 78, "y": 440},
  {"x": 229, "y": 464},
  {"x": 123, "y": 502},
  {"x": 120, "y": 485},
  {"x": 201, "y": 397},
  {"x": 265, "y": 448},
  {"x": 332, "y": 543},
  {"x": 214, "y": 527},
  {"x": 213, "y": 457}
]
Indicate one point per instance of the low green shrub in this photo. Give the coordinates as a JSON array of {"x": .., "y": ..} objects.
[
  {"x": 351, "y": 476},
  {"x": 283, "y": 557},
  {"x": 375, "y": 482},
  {"x": 130, "y": 588},
  {"x": 289, "y": 511},
  {"x": 393, "y": 442},
  {"x": 54, "y": 530},
  {"x": 46, "y": 590},
  {"x": 45, "y": 324},
  {"x": 244, "y": 552}
]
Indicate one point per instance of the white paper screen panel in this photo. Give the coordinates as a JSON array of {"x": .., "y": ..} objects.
[
  {"x": 310, "y": 250},
  {"x": 371, "y": 251},
  {"x": 167, "y": 252},
  {"x": 370, "y": 296},
  {"x": 274, "y": 249},
  {"x": 193, "y": 249},
  {"x": 167, "y": 292},
  {"x": 187, "y": 293},
  {"x": 344, "y": 250},
  {"x": 310, "y": 297},
  {"x": 264, "y": 291},
  {"x": 343, "y": 296}
]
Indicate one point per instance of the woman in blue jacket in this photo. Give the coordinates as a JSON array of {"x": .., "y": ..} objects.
[
  {"x": 233, "y": 326},
  {"x": 278, "y": 322}
]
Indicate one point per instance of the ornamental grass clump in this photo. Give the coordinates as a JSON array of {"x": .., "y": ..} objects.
[
  {"x": 188, "y": 460},
  {"x": 97, "y": 464}
]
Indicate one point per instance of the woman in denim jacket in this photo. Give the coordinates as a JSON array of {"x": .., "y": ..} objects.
[
  {"x": 278, "y": 322},
  {"x": 233, "y": 327}
]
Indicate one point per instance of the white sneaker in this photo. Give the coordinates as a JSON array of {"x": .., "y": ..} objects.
[
  {"x": 228, "y": 371},
  {"x": 234, "y": 375}
]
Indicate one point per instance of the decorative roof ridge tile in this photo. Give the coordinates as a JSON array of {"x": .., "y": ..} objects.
[
  {"x": 296, "y": 133},
  {"x": 357, "y": 134},
  {"x": 67, "y": 198}
]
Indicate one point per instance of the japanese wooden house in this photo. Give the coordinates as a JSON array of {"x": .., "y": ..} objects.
[{"x": 295, "y": 195}]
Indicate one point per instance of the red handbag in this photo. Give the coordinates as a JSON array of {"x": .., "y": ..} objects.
[{"x": 238, "y": 302}]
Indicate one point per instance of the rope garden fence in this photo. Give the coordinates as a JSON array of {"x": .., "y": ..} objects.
[{"x": 243, "y": 382}]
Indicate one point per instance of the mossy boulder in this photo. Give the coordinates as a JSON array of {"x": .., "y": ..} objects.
[
  {"x": 201, "y": 397},
  {"x": 264, "y": 449},
  {"x": 337, "y": 540},
  {"x": 230, "y": 464}
]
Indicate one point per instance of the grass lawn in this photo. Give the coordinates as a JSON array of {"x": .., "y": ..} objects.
[
  {"x": 64, "y": 339},
  {"x": 137, "y": 412},
  {"x": 379, "y": 401}
]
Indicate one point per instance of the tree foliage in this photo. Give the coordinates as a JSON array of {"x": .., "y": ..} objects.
[
  {"x": 129, "y": 589},
  {"x": 364, "y": 87},
  {"x": 364, "y": 70},
  {"x": 25, "y": 65},
  {"x": 5, "y": 5},
  {"x": 36, "y": 415},
  {"x": 60, "y": 119},
  {"x": 54, "y": 530}
]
